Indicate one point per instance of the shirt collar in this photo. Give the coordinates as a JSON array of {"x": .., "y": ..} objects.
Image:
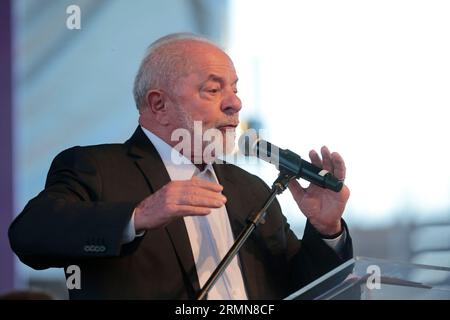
[{"x": 178, "y": 166}]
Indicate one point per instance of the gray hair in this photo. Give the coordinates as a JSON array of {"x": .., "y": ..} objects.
[{"x": 163, "y": 63}]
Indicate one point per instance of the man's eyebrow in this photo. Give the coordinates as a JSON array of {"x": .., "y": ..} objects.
[{"x": 214, "y": 77}]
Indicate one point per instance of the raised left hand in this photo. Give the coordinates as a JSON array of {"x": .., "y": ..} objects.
[{"x": 323, "y": 207}]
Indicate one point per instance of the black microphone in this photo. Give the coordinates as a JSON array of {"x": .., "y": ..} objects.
[{"x": 287, "y": 161}]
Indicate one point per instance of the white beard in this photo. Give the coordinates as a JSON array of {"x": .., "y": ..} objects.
[{"x": 204, "y": 145}]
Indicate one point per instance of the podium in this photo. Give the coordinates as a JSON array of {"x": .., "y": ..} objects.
[{"x": 363, "y": 278}]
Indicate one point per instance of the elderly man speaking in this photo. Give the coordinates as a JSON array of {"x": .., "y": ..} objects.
[{"x": 141, "y": 224}]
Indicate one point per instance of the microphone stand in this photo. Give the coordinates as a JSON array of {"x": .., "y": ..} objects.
[{"x": 279, "y": 185}]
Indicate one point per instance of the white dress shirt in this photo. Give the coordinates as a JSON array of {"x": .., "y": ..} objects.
[{"x": 210, "y": 236}]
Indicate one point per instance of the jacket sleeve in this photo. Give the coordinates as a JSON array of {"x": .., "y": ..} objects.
[
  {"x": 68, "y": 220},
  {"x": 312, "y": 257}
]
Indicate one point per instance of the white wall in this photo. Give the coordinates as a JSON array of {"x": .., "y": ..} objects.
[{"x": 369, "y": 79}]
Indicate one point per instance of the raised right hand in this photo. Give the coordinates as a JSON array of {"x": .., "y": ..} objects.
[{"x": 195, "y": 197}]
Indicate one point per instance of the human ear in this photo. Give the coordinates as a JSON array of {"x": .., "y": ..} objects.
[{"x": 156, "y": 103}]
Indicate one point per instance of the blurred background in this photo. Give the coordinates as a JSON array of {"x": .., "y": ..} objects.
[{"x": 369, "y": 79}]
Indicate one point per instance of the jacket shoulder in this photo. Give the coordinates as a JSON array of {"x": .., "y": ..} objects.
[
  {"x": 94, "y": 149},
  {"x": 100, "y": 151}
]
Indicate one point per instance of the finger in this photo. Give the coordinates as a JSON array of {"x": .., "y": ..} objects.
[
  {"x": 200, "y": 192},
  {"x": 200, "y": 201},
  {"x": 196, "y": 181},
  {"x": 297, "y": 191},
  {"x": 338, "y": 166},
  {"x": 326, "y": 159},
  {"x": 315, "y": 159},
  {"x": 186, "y": 210}
]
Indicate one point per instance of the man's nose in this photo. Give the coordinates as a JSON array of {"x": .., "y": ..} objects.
[{"x": 231, "y": 103}]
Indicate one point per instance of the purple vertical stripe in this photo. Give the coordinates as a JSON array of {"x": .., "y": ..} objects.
[{"x": 6, "y": 192}]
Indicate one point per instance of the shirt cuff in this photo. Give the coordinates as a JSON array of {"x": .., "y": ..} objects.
[
  {"x": 129, "y": 234},
  {"x": 337, "y": 243}
]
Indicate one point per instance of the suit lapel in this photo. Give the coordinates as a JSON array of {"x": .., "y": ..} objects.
[
  {"x": 239, "y": 208},
  {"x": 235, "y": 205},
  {"x": 152, "y": 167}
]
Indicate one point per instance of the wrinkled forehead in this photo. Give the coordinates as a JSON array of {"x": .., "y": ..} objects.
[{"x": 199, "y": 56}]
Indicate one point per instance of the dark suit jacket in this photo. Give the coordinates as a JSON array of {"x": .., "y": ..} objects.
[{"x": 90, "y": 194}]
